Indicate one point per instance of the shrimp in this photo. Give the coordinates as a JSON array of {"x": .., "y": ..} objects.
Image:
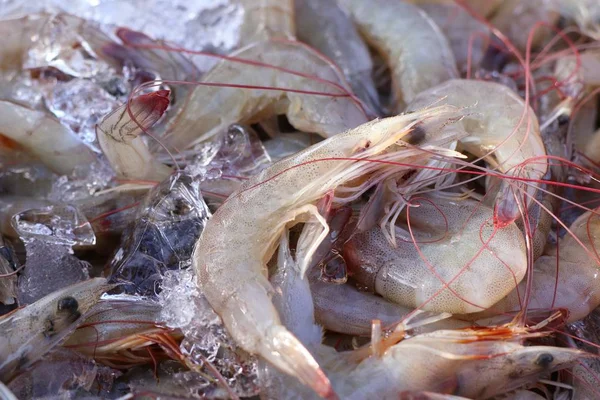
[
  {"x": 467, "y": 35},
  {"x": 501, "y": 129},
  {"x": 119, "y": 333},
  {"x": 324, "y": 26},
  {"x": 456, "y": 361},
  {"x": 266, "y": 19},
  {"x": 484, "y": 268},
  {"x": 120, "y": 141},
  {"x": 45, "y": 138},
  {"x": 515, "y": 18},
  {"x": 401, "y": 31},
  {"x": 302, "y": 94},
  {"x": 567, "y": 279},
  {"x": 231, "y": 266},
  {"x": 30, "y": 332}
]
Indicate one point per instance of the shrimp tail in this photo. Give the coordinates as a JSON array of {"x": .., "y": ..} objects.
[
  {"x": 287, "y": 353},
  {"x": 259, "y": 331}
]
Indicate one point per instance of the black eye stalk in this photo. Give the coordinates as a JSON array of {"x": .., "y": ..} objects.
[{"x": 544, "y": 360}]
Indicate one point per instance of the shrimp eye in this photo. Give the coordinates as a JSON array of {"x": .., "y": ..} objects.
[
  {"x": 68, "y": 304},
  {"x": 544, "y": 360},
  {"x": 563, "y": 119}
]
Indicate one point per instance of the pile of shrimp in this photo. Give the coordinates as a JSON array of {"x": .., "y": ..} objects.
[{"x": 384, "y": 199}]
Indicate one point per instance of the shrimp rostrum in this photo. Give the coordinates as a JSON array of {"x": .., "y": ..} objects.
[{"x": 231, "y": 256}]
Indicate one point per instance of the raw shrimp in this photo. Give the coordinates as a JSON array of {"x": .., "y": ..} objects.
[
  {"x": 566, "y": 279},
  {"x": 402, "y": 32},
  {"x": 324, "y": 26},
  {"x": 120, "y": 140},
  {"x": 515, "y": 18},
  {"x": 499, "y": 128},
  {"x": 459, "y": 362},
  {"x": 303, "y": 96},
  {"x": 45, "y": 138},
  {"x": 118, "y": 333},
  {"x": 28, "y": 333},
  {"x": 266, "y": 19},
  {"x": 230, "y": 257},
  {"x": 468, "y": 37},
  {"x": 457, "y": 258}
]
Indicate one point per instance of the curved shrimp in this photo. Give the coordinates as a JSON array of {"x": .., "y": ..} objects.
[
  {"x": 266, "y": 19},
  {"x": 457, "y": 263},
  {"x": 566, "y": 279},
  {"x": 515, "y": 18},
  {"x": 45, "y": 138},
  {"x": 118, "y": 333},
  {"x": 401, "y": 32},
  {"x": 30, "y": 332},
  {"x": 501, "y": 129},
  {"x": 120, "y": 141},
  {"x": 327, "y": 28},
  {"x": 467, "y": 36},
  {"x": 223, "y": 98},
  {"x": 231, "y": 268}
]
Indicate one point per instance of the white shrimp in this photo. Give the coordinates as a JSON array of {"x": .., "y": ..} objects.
[
  {"x": 45, "y": 138},
  {"x": 231, "y": 255},
  {"x": 417, "y": 52},
  {"x": 326, "y": 27},
  {"x": 30, "y": 332},
  {"x": 301, "y": 95},
  {"x": 458, "y": 263}
]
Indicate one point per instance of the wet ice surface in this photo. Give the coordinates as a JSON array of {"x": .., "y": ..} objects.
[
  {"x": 206, "y": 339},
  {"x": 162, "y": 237},
  {"x": 48, "y": 235},
  {"x": 201, "y": 24},
  {"x": 80, "y": 104},
  {"x": 79, "y": 377}
]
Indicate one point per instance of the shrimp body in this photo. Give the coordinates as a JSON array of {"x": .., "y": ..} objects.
[
  {"x": 455, "y": 244},
  {"x": 210, "y": 109},
  {"x": 45, "y": 138},
  {"x": 267, "y": 19},
  {"x": 499, "y": 127},
  {"x": 231, "y": 256},
  {"x": 28, "y": 333},
  {"x": 436, "y": 362},
  {"x": 417, "y": 52},
  {"x": 326, "y": 27}
]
